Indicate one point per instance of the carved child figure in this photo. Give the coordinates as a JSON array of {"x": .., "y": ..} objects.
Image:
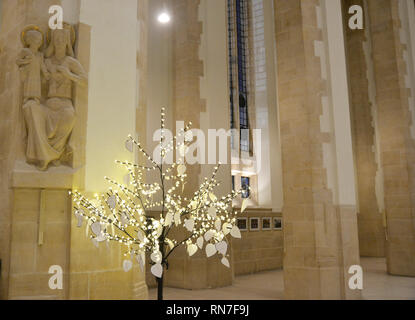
[{"x": 32, "y": 65}]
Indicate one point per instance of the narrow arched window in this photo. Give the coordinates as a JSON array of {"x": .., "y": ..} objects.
[{"x": 238, "y": 46}]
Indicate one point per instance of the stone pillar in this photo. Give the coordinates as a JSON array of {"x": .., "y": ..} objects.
[
  {"x": 397, "y": 144},
  {"x": 97, "y": 273},
  {"x": 363, "y": 112},
  {"x": 191, "y": 45},
  {"x": 319, "y": 213},
  {"x": 187, "y": 70},
  {"x": 12, "y": 22}
]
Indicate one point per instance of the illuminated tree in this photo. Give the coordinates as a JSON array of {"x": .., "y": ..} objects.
[{"x": 141, "y": 216}]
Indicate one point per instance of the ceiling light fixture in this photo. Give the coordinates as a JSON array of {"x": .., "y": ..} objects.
[{"x": 164, "y": 17}]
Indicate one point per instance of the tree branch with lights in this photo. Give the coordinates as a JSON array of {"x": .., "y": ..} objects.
[{"x": 129, "y": 214}]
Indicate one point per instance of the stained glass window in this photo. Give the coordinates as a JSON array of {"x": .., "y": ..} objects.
[
  {"x": 245, "y": 184},
  {"x": 238, "y": 66}
]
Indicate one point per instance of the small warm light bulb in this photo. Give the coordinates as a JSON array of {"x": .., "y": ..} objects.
[{"x": 164, "y": 18}]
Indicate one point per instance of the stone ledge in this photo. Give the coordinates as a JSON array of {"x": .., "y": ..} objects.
[{"x": 28, "y": 176}]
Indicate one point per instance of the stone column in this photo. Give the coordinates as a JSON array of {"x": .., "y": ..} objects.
[
  {"x": 187, "y": 70},
  {"x": 114, "y": 96},
  {"x": 199, "y": 30},
  {"x": 397, "y": 144},
  {"x": 12, "y": 22},
  {"x": 363, "y": 112},
  {"x": 320, "y": 225}
]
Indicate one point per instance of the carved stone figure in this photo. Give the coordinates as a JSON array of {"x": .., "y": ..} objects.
[
  {"x": 49, "y": 125},
  {"x": 31, "y": 63}
]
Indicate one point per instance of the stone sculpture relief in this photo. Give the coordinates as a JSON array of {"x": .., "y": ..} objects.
[{"x": 49, "y": 120}]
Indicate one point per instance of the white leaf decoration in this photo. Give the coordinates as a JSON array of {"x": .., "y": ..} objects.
[
  {"x": 170, "y": 244},
  {"x": 141, "y": 261},
  {"x": 189, "y": 224},
  {"x": 225, "y": 262},
  {"x": 212, "y": 197},
  {"x": 212, "y": 212},
  {"x": 169, "y": 219},
  {"x": 156, "y": 257},
  {"x": 235, "y": 232},
  {"x": 78, "y": 214},
  {"x": 129, "y": 145},
  {"x": 95, "y": 242},
  {"x": 127, "y": 265},
  {"x": 177, "y": 220},
  {"x": 199, "y": 242},
  {"x": 222, "y": 247},
  {"x": 181, "y": 169},
  {"x": 226, "y": 228},
  {"x": 244, "y": 205},
  {"x": 88, "y": 224},
  {"x": 157, "y": 270},
  {"x": 191, "y": 249},
  {"x": 141, "y": 236},
  {"x": 112, "y": 201},
  {"x": 96, "y": 228},
  {"x": 101, "y": 237},
  {"x": 218, "y": 224},
  {"x": 210, "y": 250},
  {"x": 124, "y": 219},
  {"x": 80, "y": 220},
  {"x": 159, "y": 230},
  {"x": 208, "y": 235}
]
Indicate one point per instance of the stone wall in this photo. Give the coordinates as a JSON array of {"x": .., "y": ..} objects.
[
  {"x": 97, "y": 273},
  {"x": 258, "y": 250},
  {"x": 39, "y": 240}
]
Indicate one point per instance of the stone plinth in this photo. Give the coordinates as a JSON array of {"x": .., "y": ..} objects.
[{"x": 40, "y": 231}]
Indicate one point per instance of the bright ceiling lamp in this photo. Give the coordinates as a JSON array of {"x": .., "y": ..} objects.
[{"x": 164, "y": 17}]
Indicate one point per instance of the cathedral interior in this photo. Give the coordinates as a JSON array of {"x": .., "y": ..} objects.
[{"x": 303, "y": 109}]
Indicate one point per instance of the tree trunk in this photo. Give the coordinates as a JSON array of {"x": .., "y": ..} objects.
[{"x": 160, "y": 288}]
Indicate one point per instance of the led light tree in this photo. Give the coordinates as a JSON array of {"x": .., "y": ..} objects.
[{"x": 142, "y": 216}]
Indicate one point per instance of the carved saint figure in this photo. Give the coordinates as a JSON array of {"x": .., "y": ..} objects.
[
  {"x": 31, "y": 63},
  {"x": 50, "y": 125}
]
